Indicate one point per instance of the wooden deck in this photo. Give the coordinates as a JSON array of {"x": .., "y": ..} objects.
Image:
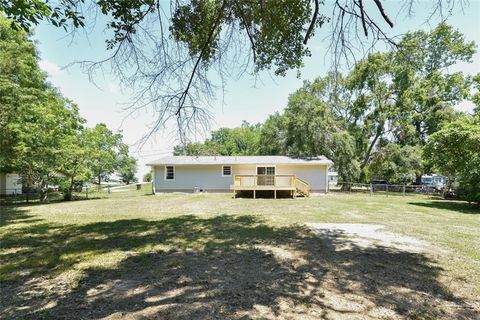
[{"x": 279, "y": 182}]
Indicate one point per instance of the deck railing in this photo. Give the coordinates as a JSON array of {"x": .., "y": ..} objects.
[
  {"x": 302, "y": 185},
  {"x": 253, "y": 180},
  {"x": 272, "y": 182}
]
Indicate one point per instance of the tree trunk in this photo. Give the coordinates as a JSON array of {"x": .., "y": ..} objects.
[
  {"x": 68, "y": 195},
  {"x": 43, "y": 192},
  {"x": 370, "y": 148},
  {"x": 99, "y": 181}
]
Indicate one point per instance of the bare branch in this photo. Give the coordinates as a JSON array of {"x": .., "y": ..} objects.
[
  {"x": 362, "y": 14},
  {"x": 312, "y": 23},
  {"x": 382, "y": 12},
  {"x": 176, "y": 86},
  {"x": 250, "y": 36}
]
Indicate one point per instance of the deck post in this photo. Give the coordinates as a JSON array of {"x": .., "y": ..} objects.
[
  {"x": 275, "y": 194},
  {"x": 254, "y": 193}
]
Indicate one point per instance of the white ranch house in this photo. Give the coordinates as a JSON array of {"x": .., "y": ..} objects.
[{"x": 294, "y": 175}]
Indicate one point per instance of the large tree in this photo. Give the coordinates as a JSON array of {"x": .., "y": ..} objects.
[
  {"x": 105, "y": 147},
  {"x": 455, "y": 152},
  {"x": 73, "y": 165},
  {"x": 166, "y": 51},
  {"x": 22, "y": 87},
  {"x": 424, "y": 89},
  {"x": 42, "y": 132},
  {"x": 310, "y": 127},
  {"x": 242, "y": 140},
  {"x": 42, "y": 135},
  {"x": 393, "y": 100},
  {"x": 396, "y": 164},
  {"x": 35, "y": 120},
  {"x": 127, "y": 168}
]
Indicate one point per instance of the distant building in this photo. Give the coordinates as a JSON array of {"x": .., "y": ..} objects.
[
  {"x": 10, "y": 183},
  {"x": 332, "y": 178},
  {"x": 434, "y": 180}
]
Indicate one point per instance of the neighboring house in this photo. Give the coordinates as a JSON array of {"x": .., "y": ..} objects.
[
  {"x": 332, "y": 178},
  {"x": 10, "y": 183},
  {"x": 297, "y": 176}
]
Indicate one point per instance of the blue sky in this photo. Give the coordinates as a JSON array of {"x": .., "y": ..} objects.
[{"x": 244, "y": 99}]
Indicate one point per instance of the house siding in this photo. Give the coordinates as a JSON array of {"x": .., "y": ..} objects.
[
  {"x": 187, "y": 177},
  {"x": 315, "y": 175},
  {"x": 209, "y": 177}
]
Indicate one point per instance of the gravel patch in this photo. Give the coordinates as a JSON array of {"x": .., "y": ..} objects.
[{"x": 371, "y": 235}]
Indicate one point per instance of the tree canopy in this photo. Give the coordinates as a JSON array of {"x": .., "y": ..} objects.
[
  {"x": 166, "y": 51},
  {"x": 243, "y": 140},
  {"x": 43, "y": 136},
  {"x": 374, "y": 121},
  {"x": 455, "y": 151}
]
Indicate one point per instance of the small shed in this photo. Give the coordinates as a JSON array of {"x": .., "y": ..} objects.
[{"x": 10, "y": 183}]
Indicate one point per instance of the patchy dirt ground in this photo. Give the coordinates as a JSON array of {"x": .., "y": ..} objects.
[
  {"x": 371, "y": 235},
  {"x": 240, "y": 268}
]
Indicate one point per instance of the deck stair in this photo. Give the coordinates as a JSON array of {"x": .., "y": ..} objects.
[{"x": 302, "y": 187}]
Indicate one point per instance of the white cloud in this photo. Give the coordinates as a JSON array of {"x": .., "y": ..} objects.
[{"x": 50, "y": 67}]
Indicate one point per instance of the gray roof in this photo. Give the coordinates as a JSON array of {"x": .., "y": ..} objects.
[{"x": 228, "y": 160}]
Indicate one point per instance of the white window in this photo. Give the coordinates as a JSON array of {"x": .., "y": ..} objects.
[
  {"x": 269, "y": 171},
  {"x": 265, "y": 176},
  {"x": 169, "y": 173},
  {"x": 226, "y": 171}
]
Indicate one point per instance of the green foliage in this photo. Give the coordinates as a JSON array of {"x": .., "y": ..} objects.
[
  {"x": 25, "y": 13},
  {"x": 273, "y": 137},
  {"x": 313, "y": 129},
  {"x": 243, "y": 140},
  {"x": 455, "y": 151},
  {"x": 476, "y": 95},
  {"x": 43, "y": 136},
  {"x": 106, "y": 147},
  {"x": 32, "y": 140},
  {"x": 396, "y": 164},
  {"x": 371, "y": 122},
  {"x": 127, "y": 168},
  {"x": 40, "y": 140},
  {"x": 72, "y": 166},
  {"x": 424, "y": 90},
  {"x": 276, "y": 28},
  {"x": 147, "y": 177},
  {"x": 429, "y": 52},
  {"x": 22, "y": 87}
]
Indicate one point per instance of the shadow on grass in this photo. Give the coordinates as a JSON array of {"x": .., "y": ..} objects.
[
  {"x": 459, "y": 206},
  {"x": 15, "y": 214},
  {"x": 11, "y": 206},
  {"x": 222, "y": 267}
]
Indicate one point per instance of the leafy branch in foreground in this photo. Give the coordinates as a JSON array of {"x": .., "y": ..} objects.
[{"x": 169, "y": 52}]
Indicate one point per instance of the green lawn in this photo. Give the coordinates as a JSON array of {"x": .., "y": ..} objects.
[{"x": 133, "y": 255}]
